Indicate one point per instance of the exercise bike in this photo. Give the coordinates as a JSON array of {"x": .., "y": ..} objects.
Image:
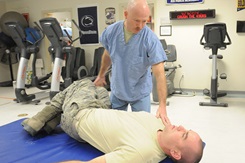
[
  {"x": 27, "y": 41},
  {"x": 215, "y": 35}
]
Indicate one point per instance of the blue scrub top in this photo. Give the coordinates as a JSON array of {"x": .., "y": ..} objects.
[{"x": 131, "y": 77}]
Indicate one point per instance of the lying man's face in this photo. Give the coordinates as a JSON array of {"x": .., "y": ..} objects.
[
  {"x": 180, "y": 135},
  {"x": 182, "y": 142}
]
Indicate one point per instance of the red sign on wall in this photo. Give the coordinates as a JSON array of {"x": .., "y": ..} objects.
[{"x": 192, "y": 14}]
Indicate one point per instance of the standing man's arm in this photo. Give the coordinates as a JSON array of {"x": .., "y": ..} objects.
[
  {"x": 159, "y": 73},
  {"x": 105, "y": 64}
]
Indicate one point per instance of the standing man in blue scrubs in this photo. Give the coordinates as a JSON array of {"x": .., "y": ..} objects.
[{"x": 132, "y": 49}]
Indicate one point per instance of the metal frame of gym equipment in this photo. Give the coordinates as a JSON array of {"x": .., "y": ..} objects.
[
  {"x": 215, "y": 35},
  {"x": 26, "y": 49}
]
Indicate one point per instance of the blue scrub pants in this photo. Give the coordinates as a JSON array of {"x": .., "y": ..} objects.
[{"x": 143, "y": 104}]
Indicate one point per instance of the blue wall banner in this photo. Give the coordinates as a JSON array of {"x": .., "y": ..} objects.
[
  {"x": 184, "y": 1},
  {"x": 88, "y": 23}
]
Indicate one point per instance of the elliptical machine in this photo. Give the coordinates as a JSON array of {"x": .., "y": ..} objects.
[
  {"x": 7, "y": 49},
  {"x": 60, "y": 48},
  {"x": 215, "y": 35},
  {"x": 27, "y": 41}
]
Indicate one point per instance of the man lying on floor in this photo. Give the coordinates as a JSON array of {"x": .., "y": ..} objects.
[{"x": 83, "y": 110}]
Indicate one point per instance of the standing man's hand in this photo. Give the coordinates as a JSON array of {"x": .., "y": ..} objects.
[
  {"x": 161, "y": 113},
  {"x": 100, "y": 81},
  {"x": 166, "y": 121},
  {"x": 105, "y": 64}
]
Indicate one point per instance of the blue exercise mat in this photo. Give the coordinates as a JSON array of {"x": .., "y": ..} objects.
[{"x": 17, "y": 146}]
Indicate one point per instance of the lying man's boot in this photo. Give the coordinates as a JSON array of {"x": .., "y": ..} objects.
[
  {"x": 51, "y": 125},
  {"x": 28, "y": 128},
  {"x": 35, "y": 124}
]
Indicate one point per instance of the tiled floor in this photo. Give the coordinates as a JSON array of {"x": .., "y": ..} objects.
[{"x": 223, "y": 129}]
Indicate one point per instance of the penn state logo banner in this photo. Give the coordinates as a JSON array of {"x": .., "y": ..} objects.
[
  {"x": 184, "y": 1},
  {"x": 88, "y": 23}
]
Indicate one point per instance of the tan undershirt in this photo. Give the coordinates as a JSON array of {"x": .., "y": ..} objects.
[{"x": 127, "y": 34}]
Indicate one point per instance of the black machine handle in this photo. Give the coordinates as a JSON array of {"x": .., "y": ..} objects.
[
  {"x": 229, "y": 39},
  {"x": 17, "y": 33},
  {"x": 80, "y": 31},
  {"x": 201, "y": 40},
  {"x": 42, "y": 34}
]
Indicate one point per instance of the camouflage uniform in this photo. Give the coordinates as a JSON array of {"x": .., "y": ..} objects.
[{"x": 65, "y": 106}]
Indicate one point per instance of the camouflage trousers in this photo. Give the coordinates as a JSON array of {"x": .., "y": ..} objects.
[{"x": 79, "y": 95}]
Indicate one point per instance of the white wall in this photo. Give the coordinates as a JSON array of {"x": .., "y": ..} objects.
[{"x": 186, "y": 35}]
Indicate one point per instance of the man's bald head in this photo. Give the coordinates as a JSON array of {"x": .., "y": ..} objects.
[{"x": 136, "y": 15}]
